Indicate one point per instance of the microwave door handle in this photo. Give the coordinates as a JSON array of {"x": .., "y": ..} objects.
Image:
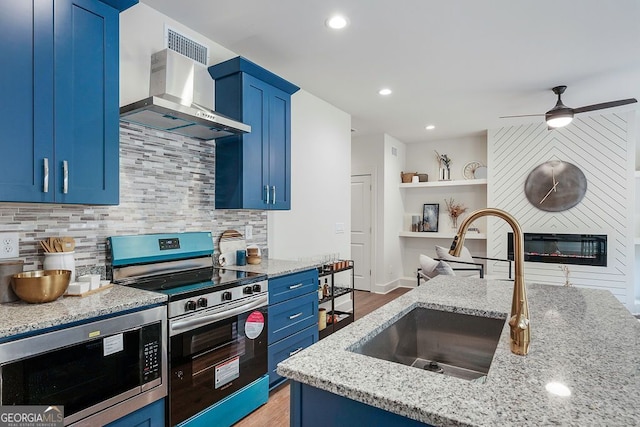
[{"x": 182, "y": 325}]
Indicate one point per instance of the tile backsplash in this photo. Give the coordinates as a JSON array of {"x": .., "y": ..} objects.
[{"x": 166, "y": 185}]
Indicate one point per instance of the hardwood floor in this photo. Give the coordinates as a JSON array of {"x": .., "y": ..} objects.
[{"x": 275, "y": 413}]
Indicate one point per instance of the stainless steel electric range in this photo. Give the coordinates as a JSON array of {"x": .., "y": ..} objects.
[{"x": 217, "y": 324}]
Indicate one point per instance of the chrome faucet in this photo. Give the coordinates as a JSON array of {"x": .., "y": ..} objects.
[{"x": 519, "y": 320}]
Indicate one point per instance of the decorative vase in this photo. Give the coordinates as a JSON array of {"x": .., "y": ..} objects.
[
  {"x": 445, "y": 174},
  {"x": 454, "y": 222}
]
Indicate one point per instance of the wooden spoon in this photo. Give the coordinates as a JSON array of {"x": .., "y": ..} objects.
[
  {"x": 45, "y": 246},
  {"x": 57, "y": 244},
  {"x": 68, "y": 244}
]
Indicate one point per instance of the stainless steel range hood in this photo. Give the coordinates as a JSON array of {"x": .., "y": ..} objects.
[{"x": 170, "y": 106}]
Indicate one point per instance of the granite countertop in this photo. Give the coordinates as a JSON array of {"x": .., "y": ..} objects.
[
  {"x": 20, "y": 317},
  {"x": 583, "y": 338},
  {"x": 276, "y": 267}
]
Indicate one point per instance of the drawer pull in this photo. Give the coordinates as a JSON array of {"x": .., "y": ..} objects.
[
  {"x": 293, "y": 316},
  {"x": 295, "y": 352},
  {"x": 296, "y": 286}
]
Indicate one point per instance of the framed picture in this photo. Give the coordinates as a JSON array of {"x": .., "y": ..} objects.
[{"x": 430, "y": 212}]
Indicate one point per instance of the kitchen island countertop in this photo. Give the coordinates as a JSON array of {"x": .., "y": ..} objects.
[
  {"x": 582, "y": 338},
  {"x": 22, "y": 318},
  {"x": 276, "y": 267}
]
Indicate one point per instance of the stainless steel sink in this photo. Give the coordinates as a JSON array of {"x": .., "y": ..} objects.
[{"x": 455, "y": 344}]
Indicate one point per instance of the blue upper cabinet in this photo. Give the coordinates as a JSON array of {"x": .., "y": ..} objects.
[
  {"x": 59, "y": 101},
  {"x": 253, "y": 171}
]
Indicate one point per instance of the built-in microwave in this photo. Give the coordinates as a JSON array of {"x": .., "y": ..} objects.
[{"x": 97, "y": 371}]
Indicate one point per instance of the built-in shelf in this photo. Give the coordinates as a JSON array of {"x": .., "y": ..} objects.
[
  {"x": 454, "y": 183},
  {"x": 637, "y": 241},
  {"x": 440, "y": 235},
  {"x": 637, "y": 175}
]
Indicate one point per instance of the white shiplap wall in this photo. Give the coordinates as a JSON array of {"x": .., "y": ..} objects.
[{"x": 603, "y": 146}]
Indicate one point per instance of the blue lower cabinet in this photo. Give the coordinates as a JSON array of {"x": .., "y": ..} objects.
[
  {"x": 151, "y": 415},
  {"x": 232, "y": 408},
  {"x": 293, "y": 318},
  {"x": 312, "y": 407},
  {"x": 286, "y": 348}
]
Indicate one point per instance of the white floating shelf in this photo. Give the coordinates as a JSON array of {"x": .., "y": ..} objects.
[
  {"x": 637, "y": 240},
  {"x": 450, "y": 236},
  {"x": 637, "y": 174},
  {"x": 455, "y": 183}
]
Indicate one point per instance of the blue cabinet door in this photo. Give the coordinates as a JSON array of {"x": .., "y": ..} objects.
[
  {"x": 59, "y": 102},
  {"x": 255, "y": 172},
  {"x": 279, "y": 149},
  {"x": 26, "y": 100},
  {"x": 86, "y": 102}
]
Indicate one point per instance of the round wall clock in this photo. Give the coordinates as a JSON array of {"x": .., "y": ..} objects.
[{"x": 555, "y": 186}]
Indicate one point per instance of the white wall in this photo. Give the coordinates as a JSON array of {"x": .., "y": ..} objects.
[
  {"x": 320, "y": 143},
  {"x": 373, "y": 154},
  {"x": 421, "y": 157},
  {"x": 320, "y": 183},
  {"x": 394, "y": 164}
]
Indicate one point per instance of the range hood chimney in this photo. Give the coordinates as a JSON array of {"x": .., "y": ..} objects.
[{"x": 170, "y": 105}]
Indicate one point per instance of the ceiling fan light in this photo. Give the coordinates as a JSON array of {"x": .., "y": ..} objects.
[{"x": 559, "y": 121}]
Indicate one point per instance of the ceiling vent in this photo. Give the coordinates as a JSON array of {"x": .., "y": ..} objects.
[{"x": 187, "y": 47}]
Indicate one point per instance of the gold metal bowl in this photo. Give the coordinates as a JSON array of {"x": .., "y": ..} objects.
[{"x": 40, "y": 285}]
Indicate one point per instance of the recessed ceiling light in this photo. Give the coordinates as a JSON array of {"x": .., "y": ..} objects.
[
  {"x": 429, "y": 127},
  {"x": 336, "y": 22},
  {"x": 385, "y": 91}
]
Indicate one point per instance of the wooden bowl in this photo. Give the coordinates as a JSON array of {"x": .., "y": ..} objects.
[{"x": 40, "y": 285}]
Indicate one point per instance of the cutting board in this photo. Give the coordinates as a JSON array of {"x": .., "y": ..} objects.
[{"x": 230, "y": 242}]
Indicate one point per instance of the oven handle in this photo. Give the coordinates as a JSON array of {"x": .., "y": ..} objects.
[{"x": 181, "y": 325}]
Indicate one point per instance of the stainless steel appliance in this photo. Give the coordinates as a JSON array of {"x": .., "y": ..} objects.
[
  {"x": 217, "y": 324},
  {"x": 99, "y": 371},
  {"x": 170, "y": 106}
]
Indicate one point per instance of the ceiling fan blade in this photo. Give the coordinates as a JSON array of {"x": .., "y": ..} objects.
[
  {"x": 521, "y": 115},
  {"x": 604, "y": 105}
]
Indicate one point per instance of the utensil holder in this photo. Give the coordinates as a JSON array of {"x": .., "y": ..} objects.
[{"x": 60, "y": 261}]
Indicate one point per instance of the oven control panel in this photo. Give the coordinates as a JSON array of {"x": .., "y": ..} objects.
[
  {"x": 216, "y": 298},
  {"x": 165, "y": 244}
]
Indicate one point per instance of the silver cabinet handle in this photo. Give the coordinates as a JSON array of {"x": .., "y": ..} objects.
[
  {"x": 65, "y": 172},
  {"x": 45, "y": 183},
  {"x": 295, "y": 351},
  {"x": 274, "y": 195},
  {"x": 266, "y": 189},
  {"x": 293, "y": 316},
  {"x": 296, "y": 286}
]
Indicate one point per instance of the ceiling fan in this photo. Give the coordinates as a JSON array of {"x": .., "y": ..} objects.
[{"x": 561, "y": 115}]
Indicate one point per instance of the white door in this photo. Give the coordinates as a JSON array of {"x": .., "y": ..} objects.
[{"x": 361, "y": 231}]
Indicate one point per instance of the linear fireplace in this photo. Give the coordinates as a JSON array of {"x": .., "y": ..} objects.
[{"x": 581, "y": 249}]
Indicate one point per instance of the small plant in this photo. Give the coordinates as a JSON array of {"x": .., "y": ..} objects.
[
  {"x": 443, "y": 160},
  {"x": 455, "y": 210},
  {"x": 566, "y": 272}
]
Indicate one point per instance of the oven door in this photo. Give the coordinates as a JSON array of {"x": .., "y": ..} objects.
[{"x": 211, "y": 361}]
